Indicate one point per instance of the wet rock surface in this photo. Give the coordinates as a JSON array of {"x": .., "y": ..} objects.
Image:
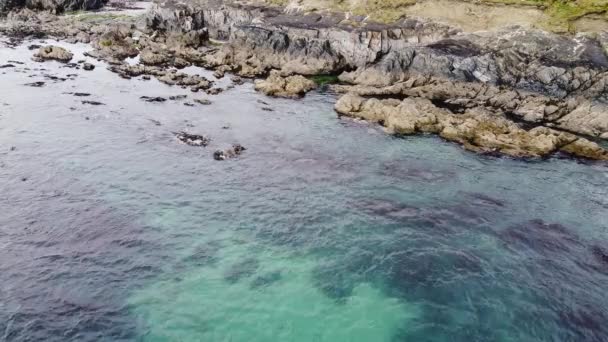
[
  {"x": 51, "y": 52},
  {"x": 56, "y": 6},
  {"x": 503, "y": 82},
  {"x": 291, "y": 86},
  {"x": 477, "y": 129},
  {"x": 192, "y": 139},
  {"x": 230, "y": 153},
  {"x": 526, "y": 75}
]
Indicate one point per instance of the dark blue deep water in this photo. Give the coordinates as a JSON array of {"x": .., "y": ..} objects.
[{"x": 323, "y": 230}]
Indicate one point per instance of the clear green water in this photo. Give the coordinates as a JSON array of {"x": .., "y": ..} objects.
[{"x": 324, "y": 230}]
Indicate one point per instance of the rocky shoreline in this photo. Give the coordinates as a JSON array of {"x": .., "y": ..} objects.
[{"x": 514, "y": 91}]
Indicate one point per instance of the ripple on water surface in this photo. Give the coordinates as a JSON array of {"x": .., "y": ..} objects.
[{"x": 323, "y": 230}]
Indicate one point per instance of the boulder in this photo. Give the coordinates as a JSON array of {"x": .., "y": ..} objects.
[
  {"x": 150, "y": 57},
  {"x": 192, "y": 139},
  {"x": 52, "y": 52},
  {"x": 233, "y": 152},
  {"x": 290, "y": 86}
]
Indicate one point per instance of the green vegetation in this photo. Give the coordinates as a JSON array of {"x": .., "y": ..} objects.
[
  {"x": 93, "y": 17},
  {"x": 105, "y": 43},
  {"x": 322, "y": 80},
  {"x": 561, "y": 14}
]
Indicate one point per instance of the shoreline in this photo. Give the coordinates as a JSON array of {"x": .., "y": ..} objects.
[{"x": 519, "y": 92}]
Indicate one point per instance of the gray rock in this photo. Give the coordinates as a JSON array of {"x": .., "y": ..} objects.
[{"x": 56, "y": 6}]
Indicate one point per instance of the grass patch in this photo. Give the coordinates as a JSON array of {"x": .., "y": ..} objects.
[
  {"x": 92, "y": 17},
  {"x": 561, "y": 13}
]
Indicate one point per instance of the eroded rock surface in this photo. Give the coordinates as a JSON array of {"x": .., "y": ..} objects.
[
  {"x": 477, "y": 129},
  {"x": 56, "y": 6},
  {"x": 524, "y": 75},
  {"x": 51, "y": 52},
  {"x": 524, "y": 82},
  {"x": 290, "y": 86}
]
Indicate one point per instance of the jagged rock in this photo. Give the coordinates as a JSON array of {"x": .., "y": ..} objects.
[
  {"x": 180, "y": 63},
  {"x": 218, "y": 73},
  {"x": 158, "y": 57},
  {"x": 291, "y": 86},
  {"x": 93, "y": 103},
  {"x": 533, "y": 75},
  {"x": 115, "y": 45},
  {"x": 56, "y": 6},
  {"x": 37, "y": 84},
  {"x": 237, "y": 80},
  {"x": 476, "y": 129},
  {"x": 177, "y": 97},
  {"x": 192, "y": 139},
  {"x": 214, "y": 91},
  {"x": 153, "y": 98},
  {"x": 233, "y": 152},
  {"x": 51, "y": 52},
  {"x": 587, "y": 149}
]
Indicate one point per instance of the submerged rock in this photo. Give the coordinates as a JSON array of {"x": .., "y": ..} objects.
[
  {"x": 192, "y": 139},
  {"x": 93, "y": 103},
  {"x": 291, "y": 86},
  {"x": 153, "y": 98},
  {"x": 51, "y": 52},
  {"x": 214, "y": 91},
  {"x": 204, "y": 102},
  {"x": 240, "y": 270},
  {"x": 233, "y": 152},
  {"x": 37, "y": 84}
]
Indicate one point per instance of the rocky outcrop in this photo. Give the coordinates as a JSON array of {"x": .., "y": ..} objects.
[
  {"x": 51, "y": 52},
  {"x": 290, "y": 86},
  {"x": 170, "y": 77},
  {"x": 477, "y": 129},
  {"x": 230, "y": 153},
  {"x": 527, "y": 75},
  {"x": 521, "y": 92},
  {"x": 56, "y": 6}
]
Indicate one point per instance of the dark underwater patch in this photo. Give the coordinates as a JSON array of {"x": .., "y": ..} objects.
[
  {"x": 266, "y": 279},
  {"x": 242, "y": 269},
  {"x": 79, "y": 253},
  {"x": 203, "y": 255},
  {"x": 416, "y": 172},
  {"x": 586, "y": 323},
  {"x": 541, "y": 237}
]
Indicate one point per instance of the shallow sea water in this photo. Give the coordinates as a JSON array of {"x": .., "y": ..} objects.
[{"x": 323, "y": 230}]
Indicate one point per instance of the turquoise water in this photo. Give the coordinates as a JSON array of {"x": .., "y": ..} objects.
[{"x": 323, "y": 230}]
